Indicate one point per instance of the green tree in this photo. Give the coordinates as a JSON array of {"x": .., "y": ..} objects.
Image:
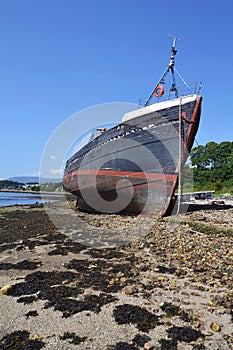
[
  {"x": 213, "y": 165},
  {"x": 198, "y": 156},
  {"x": 35, "y": 188},
  {"x": 9, "y": 184}
]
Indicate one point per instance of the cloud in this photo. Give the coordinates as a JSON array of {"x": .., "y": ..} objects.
[
  {"x": 52, "y": 157},
  {"x": 56, "y": 171}
]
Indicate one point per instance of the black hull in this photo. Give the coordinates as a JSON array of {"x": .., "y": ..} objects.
[{"x": 133, "y": 168}]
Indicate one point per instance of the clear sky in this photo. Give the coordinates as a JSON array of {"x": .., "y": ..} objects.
[{"x": 61, "y": 56}]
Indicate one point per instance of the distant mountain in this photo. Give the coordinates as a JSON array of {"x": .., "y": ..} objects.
[{"x": 34, "y": 179}]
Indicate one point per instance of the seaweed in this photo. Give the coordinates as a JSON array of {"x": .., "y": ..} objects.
[
  {"x": 75, "y": 339},
  {"x": 68, "y": 246},
  {"x": 31, "y": 313},
  {"x": 141, "y": 339},
  {"x": 4, "y": 247},
  {"x": 170, "y": 309},
  {"x": 164, "y": 269},
  {"x": 22, "y": 265},
  {"x": 143, "y": 319},
  {"x": 168, "y": 344},
  {"x": 106, "y": 253},
  {"x": 185, "y": 334},
  {"x": 98, "y": 274},
  {"x": 27, "y": 299},
  {"x": 21, "y": 225},
  {"x": 20, "y": 340},
  {"x": 122, "y": 346},
  {"x": 70, "y": 307},
  {"x": 39, "y": 280}
]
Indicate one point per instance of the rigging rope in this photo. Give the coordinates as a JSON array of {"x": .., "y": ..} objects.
[{"x": 180, "y": 166}]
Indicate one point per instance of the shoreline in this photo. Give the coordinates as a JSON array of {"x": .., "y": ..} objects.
[
  {"x": 35, "y": 192},
  {"x": 34, "y": 198},
  {"x": 171, "y": 289}
]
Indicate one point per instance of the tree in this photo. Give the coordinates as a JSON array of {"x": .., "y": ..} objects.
[
  {"x": 213, "y": 165},
  {"x": 35, "y": 188},
  {"x": 198, "y": 156},
  {"x": 9, "y": 184}
]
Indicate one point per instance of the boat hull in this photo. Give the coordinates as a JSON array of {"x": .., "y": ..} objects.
[{"x": 133, "y": 168}]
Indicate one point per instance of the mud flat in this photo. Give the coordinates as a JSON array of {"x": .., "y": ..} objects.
[{"x": 73, "y": 280}]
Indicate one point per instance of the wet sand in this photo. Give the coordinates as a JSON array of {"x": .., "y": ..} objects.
[{"x": 95, "y": 283}]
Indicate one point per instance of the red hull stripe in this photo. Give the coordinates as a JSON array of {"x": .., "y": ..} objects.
[
  {"x": 138, "y": 188},
  {"x": 144, "y": 175}
]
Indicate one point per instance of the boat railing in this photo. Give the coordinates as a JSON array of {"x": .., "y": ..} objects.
[{"x": 184, "y": 90}]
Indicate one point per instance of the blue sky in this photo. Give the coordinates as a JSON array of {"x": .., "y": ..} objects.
[{"x": 61, "y": 56}]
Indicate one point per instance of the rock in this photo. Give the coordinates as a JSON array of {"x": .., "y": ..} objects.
[
  {"x": 211, "y": 303},
  {"x": 149, "y": 346},
  {"x": 120, "y": 274},
  {"x": 123, "y": 280},
  {"x": 5, "y": 289},
  {"x": 162, "y": 278},
  {"x": 198, "y": 324},
  {"x": 36, "y": 336},
  {"x": 219, "y": 284},
  {"x": 112, "y": 281},
  {"x": 130, "y": 290},
  {"x": 176, "y": 299},
  {"x": 215, "y": 327},
  {"x": 228, "y": 261},
  {"x": 181, "y": 347},
  {"x": 65, "y": 282}
]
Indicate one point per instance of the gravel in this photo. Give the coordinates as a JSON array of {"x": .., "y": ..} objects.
[{"x": 91, "y": 281}]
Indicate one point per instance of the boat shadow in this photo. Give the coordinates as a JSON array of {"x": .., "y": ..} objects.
[{"x": 187, "y": 207}]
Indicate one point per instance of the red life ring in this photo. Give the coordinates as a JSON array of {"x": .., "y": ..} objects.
[{"x": 159, "y": 91}]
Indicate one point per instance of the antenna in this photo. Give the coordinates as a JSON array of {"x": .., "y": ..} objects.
[
  {"x": 170, "y": 68},
  {"x": 174, "y": 39}
]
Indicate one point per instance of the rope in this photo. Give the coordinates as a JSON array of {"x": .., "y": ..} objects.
[
  {"x": 180, "y": 166},
  {"x": 183, "y": 81}
]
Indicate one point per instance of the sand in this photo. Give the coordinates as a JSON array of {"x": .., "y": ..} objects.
[{"x": 88, "y": 281}]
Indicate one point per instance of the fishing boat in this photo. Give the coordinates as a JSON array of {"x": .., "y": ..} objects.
[{"x": 136, "y": 166}]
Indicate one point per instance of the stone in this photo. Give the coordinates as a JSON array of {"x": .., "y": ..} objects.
[
  {"x": 112, "y": 281},
  {"x": 65, "y": 282},
  {"x": 215, "y": 327},
  {"x": 123, "y": 280},
  {"x": 176, "y": 299},
  {"x": 120, "y": 274},
  {"x": 211, "y": 303},
  {"x": 228, "y": 261},
  {"x": 149, "y": 346},
  {"x": 198, "y": 324},
  {"x": 6, "y": 289},
  {"x": 130, "y": 290},
  {"x": 162, "y": 278},
  {"x": 36, "y": 336}
]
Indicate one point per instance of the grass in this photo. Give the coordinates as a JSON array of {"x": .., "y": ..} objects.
[{"x": 208, "y": 228}]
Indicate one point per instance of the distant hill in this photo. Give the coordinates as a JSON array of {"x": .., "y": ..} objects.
[{"x": 34, "y": 179}]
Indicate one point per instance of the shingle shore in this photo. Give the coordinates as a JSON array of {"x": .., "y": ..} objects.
[{"x": 170, "y": 287}]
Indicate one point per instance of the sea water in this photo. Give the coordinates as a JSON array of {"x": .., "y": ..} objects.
[{"x": 22, "y": 198}]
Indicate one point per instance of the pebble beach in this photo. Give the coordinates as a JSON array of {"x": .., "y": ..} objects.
[{"x": 73, "y": 280}]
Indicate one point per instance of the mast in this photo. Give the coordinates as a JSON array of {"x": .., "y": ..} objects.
[{"x": 170, "y": 68}]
